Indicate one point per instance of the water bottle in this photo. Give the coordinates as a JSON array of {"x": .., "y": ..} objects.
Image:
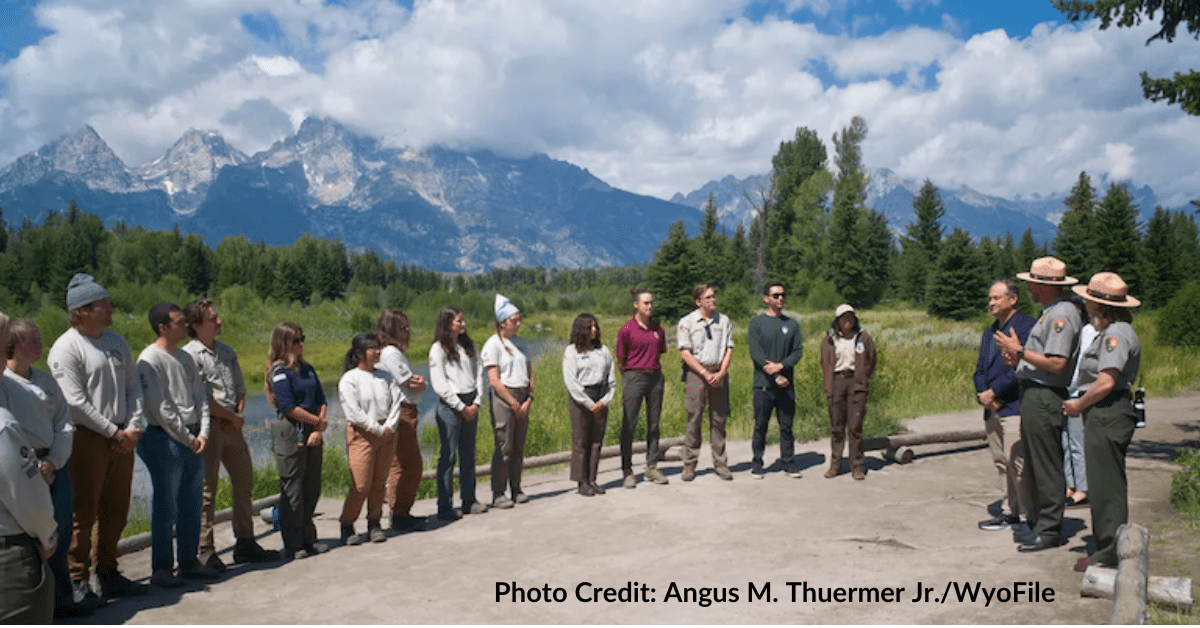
[{"x": 1139, "y": 406}]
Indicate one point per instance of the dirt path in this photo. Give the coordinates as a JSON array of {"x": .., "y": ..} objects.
[{"x": 905, "y": 528}]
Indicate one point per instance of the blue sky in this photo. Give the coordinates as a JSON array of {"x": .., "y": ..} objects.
[{"x": 649, "y": 97}]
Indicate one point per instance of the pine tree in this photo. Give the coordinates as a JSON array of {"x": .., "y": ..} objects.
[
  {"x": 1160, "y": 256},
  {"x": 847, "y": 262},
  {"x": 1075, "y": 242},
  {"x": 921, "y": 242},
  {"x": 671, "y": 275},
  {"x": 794, "y": 164},
  {"x": 1117, "y": 236},
  {"x": 959, "y": 284},
  {"x": 1027, "y": 251}
]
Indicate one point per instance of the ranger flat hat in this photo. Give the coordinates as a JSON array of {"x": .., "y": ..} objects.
[
  {"x": 1048, "y": 270},
  {"x": 1109, "y": 289}
]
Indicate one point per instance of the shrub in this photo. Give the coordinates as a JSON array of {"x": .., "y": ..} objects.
[
  {"x": 1179, "y": 322},
  {"x": 1185, "y": 485}
]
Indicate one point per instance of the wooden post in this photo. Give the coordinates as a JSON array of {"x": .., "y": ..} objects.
[{"x": 1133, "y": 571}]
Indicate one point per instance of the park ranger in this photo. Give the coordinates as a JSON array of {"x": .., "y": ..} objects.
[
  {"x": 705, "y": 339},
  {"x": 1045, "y": 365}
]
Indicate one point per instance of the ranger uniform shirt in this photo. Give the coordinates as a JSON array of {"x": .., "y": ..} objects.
[
  {"x": 220, "y": 370},
  {"x": 42, "y": 411},
  {"x": 707, "y": 339},
  {"x": 1056, "y": 333},
  {"x": 1117, "y": 347},
  {"x": 393, "y": 360},
  {"x": 25, "y": 506}
]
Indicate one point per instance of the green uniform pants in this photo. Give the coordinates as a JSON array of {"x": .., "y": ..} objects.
[
  {"x": 1109, "y": 429},
  {"x": 1042, "y": 424}
]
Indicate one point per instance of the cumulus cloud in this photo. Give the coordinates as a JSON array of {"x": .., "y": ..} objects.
[{"x": 649, "y": 97}]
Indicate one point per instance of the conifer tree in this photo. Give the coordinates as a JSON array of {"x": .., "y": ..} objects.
[
  {"x": 1160, "y": 257},
  {"x": 1117, "y": 236},
  {"x": 921, "y": 242},
  {"x": 848, "y": 263},
  {"x": 958, "y": 284},
  {"x": 671, "y": 275},
  {"x": 1075, "y": 243},
  {"x": 1027, "y": 251}
]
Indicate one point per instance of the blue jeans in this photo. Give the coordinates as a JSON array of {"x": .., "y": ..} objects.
[
  {"x": 458, "y": 443},
  {"x": 64, "y": 510},
  {"x": 783, "y": 402},
  {"x": 177, "y": 476}
]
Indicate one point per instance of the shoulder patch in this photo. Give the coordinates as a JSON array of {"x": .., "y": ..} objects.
[
  {"x": 1111, "y": 343},
  {"x": 784, "y": 329},
  {"x": 1059, "y": 325}
]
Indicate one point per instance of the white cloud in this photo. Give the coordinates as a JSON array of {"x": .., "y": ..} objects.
[{"x": 649, "y": 97}]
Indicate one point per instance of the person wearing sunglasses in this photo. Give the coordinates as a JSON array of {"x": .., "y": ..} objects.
[
  {"x": 775, "y": 348},
  {"x": 705, "y": 339}
]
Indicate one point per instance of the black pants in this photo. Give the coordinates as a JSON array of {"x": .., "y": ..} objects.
[
  {"x": 300, "y": 488},
  {"x": 783, "y": 402},
  {"x": 636, "y": 386}
]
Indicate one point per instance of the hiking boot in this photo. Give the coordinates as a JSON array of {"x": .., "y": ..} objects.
[
  {"x": 114, "y": 585},
  {"x": 521, "y": 498},
  {"x": 349, "y": 536},
  {"x": 689, "y": 473},
  {"x": 165, "y": 579},
  {"x": 859, "y": 474},
  {"x": 630, "y": 480},
  {"x": 375, "y": 532},
  {"x": 831, "y": 472},
  {"x": 501, "y": 502},
  {"x": 724, "y": 473},
  {"x": 403, "y": 523},
  {"x": 585, "y": 489},
  {"x": 212, "y": 561},
  {"x": 249, "y": 551},
  {"x": 656, "y": 476},
  {"x": 596, "y": 488}
]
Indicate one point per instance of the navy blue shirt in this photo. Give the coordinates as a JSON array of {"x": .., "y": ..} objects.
[
  {"x": 297, "y": 389},
  {"x": 991, "y": 371}
]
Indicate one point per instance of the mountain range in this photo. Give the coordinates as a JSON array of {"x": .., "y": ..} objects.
[{"x": 440, "y": 208}]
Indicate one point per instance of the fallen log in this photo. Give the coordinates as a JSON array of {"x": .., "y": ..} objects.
[
  {"x": 1176, "y": 593},
  {"x": 898, "y": 448}
]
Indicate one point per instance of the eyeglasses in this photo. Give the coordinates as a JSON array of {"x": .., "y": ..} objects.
[
  {"x": 777, "y": 295},
  {"x": 298, "y": 340}
]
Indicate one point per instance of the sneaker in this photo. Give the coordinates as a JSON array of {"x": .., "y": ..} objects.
[
  {"x": 165, "y": 579},
  {"x": 999, "y": 523},
  {"x": 630, "y": 480},
  {"x": 289, "y": 555},
  {"x": 501, "y": 502},
  {"x": 349, "y": 536},
  {"x": 794, "y": 473},
  {"x": 82, "y": 595},
  {"x": 249, "y": 551},
  {"x": 317, "y": 548},
  {"x": 114, "y": 585},
  {"x": 375, "y": 532},
  {"x": 478, "y": 508},
  {"x": 656, "y": 476},
  {"x": 689, "y": 473},
  {"x": 195, "y": 571},
  {"x": 756, "y": 472},
  {"x": 724, "y": 473},
  {"x": 521, "y": 498}
]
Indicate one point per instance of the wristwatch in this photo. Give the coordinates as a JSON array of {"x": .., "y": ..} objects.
[{"x": 1021, "y": 353}]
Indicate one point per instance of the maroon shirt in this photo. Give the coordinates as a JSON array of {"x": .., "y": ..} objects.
[{"x": 639, "y": 348}]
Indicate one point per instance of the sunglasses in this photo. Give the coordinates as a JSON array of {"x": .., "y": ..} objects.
[
  {"x": 298, "y": 340},
  {"x": 777, "y": 295}
]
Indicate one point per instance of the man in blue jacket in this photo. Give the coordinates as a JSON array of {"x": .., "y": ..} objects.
[{"x": 997, "y": 391}]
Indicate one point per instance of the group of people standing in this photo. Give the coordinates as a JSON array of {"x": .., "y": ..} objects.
[{"x": 1042, "y": 382}]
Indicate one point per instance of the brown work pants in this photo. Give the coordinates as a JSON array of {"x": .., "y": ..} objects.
[
  {"x": 1008, "y": 453},
  {"x": 404, "y": 476},
  {"x": 697, "y": 395},
  {"x": 847, "y": 409},
  {"x": 587, "y": 438},
  {"x": 230, "y": 449},
  {"x": 369, "y": 457},
  {"x": 508, "y": 458},
  {"x": 101, "y": 479}
]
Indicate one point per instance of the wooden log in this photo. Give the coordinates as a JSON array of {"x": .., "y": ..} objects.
[
  {"x": 1133, "y": 570},
  {"x": 562, "y": 457},
  {"x": 899, "y": 455},
  {"x": 909, "y": 440},
  {"x": 1175, "y": 593}
]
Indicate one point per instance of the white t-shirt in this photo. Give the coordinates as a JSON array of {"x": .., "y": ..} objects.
[{"x": 509, "y": 356}]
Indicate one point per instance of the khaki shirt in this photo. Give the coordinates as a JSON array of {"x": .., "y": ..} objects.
[
  {"x": 25, "y": 506},
  {"x": 707, "y": 339},
  {"x": 1056, "y": 333},
  {"x": 220, "y": 370}
]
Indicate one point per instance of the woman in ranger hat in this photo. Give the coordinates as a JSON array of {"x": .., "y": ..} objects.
[
  {"x": 847, "y": 361},
  {"x": 1107, "y": 369}
]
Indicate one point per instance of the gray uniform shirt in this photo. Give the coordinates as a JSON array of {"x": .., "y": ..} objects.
[
  {"x": 706, "y": 339},
  {"x": 393, "y": 360},
  {"x": 1056, "y": 333},
  {"x": 176, "y": 399},
  {"x": 1117, "y": 347},
  {"x": 99, "y": 380},
  {"x": 43, "y": 412},
  {"x": 25, "y": 506},
  {"x": 588, "y": 369},
  {"x": 220, "y": 370}
]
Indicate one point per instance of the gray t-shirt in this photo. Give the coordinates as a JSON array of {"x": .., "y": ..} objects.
[
  {"x": 99, "y": 380},
  {"x": 1056, "y": 333},
  {"x": 1117, "y": 347}
]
